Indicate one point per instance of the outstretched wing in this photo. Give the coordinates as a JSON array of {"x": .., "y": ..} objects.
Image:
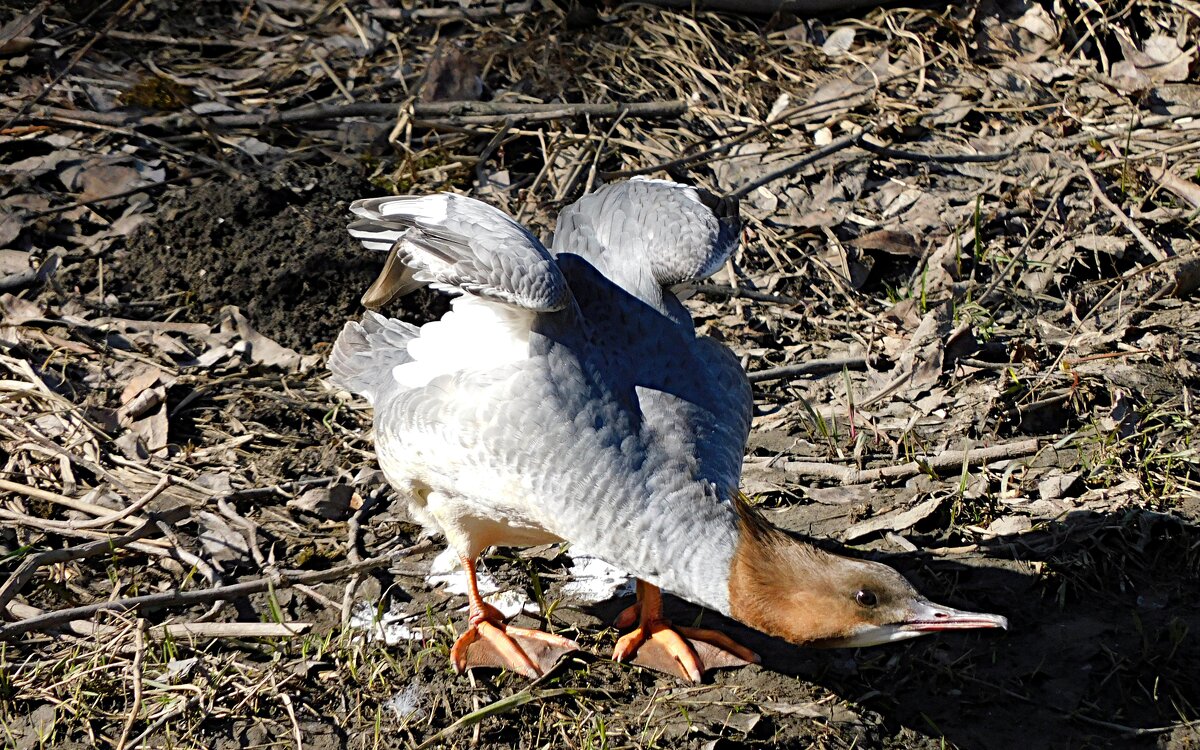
[
  {"x": 459, "y": 244},
  {"x": 675, "y": 232}
]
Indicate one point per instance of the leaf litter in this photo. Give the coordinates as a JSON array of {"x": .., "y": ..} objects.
[{"x": 984, "y": 215}]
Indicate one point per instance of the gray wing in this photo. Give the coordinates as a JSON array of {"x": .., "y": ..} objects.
[
  {"x": 676, "y": 232},
  {"x": 459, "y": 244},
  {"x": 702, "y": 411},
  {"x": 724, "y": 445}
]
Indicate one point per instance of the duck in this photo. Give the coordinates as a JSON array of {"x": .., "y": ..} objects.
[{"x": 567, "y": 397}]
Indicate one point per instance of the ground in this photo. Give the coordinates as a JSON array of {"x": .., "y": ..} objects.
[{"x": 966, "y": 295}]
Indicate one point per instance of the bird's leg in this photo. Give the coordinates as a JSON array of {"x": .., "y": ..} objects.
[
  {"x": 489, "y": 642},
  {"x": 683, "y": 652}
]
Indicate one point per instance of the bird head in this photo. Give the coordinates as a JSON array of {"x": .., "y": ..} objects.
[{"x": 805, "y": 595}]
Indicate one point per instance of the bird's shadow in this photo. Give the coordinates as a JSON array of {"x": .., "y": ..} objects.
[{"x": 1102, "y": 648}]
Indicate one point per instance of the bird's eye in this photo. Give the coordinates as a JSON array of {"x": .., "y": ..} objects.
[{"x": 866, "y": 598}]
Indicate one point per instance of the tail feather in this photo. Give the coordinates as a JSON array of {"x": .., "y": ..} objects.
[{"x": 366, "y": 352}]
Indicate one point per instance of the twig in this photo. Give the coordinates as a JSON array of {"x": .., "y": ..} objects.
[
  {"x": 947, "y": 460},
  {"x": 26, "y": 570},
  {"x": 201, "y": 630},
  {"x": 353, "y": 529},
  {"x": 53, "y": 497},
  {"x": 1124, "y": 131},
  {"x": 784, "y": 118},
  {"x": 84, "y": 463},
  {"x": 722, "y": 291},
  {"x": 283, "y": 489},
  {"x": 187, "y": 41},
  {"x": 915, "y": 156},
  {"x": 1020, "y": 254},
  {"x": 502, "y": 706},
  {"x": 109, "y": 518},
  {"x": 1154, "y": 251},
  {"x": 844, "y": 142},
  {"x": 277, "y": 580},
  {"x": 429, "y": 114},
  {"x": 813, "y": 368}
]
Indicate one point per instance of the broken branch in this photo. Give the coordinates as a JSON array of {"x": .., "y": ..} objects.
[
  {"x": 947, "y": 460},
  {"x": 812, "y": 368}
]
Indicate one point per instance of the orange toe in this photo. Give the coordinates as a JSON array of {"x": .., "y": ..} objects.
[{"x": 721, "y": 641}]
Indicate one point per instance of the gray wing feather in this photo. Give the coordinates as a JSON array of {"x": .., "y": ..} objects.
[
  {"x": 459, "y": 244},
  {"x": 365, "y": 353},
  {"x": 668, "y": 228}
]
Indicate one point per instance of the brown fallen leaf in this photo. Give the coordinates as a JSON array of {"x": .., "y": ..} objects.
[
  {"x": 222, "y": 544},
  {"x": 896, "y": 520},
  {"x": 260, "y": 349},
  {"x": 335, "y": 503},
  {"x": 890, "y": 241}
]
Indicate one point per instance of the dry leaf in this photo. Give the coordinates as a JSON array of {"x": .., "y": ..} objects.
[
  {"x": 896, "y": 520},
  {"x": 224, "y": 546},
  {"x": 336, "y": 503}
]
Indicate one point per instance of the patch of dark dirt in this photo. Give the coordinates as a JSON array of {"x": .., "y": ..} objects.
[{"x": 276, "y": 247}]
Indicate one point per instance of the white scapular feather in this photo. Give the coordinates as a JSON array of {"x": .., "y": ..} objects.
[{"x": 475, "y": 335}]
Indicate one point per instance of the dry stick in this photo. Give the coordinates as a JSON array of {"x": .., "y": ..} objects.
[
  {"x": 182, "y": 705},
  {"x": 496, "y": 708},
  {"x": 893, "y": 153},
  {"x": 139, "y": 654},
  {"x": 1124, "y": 131},
  {"x": 26, "y": 570},
  {"x": 79, "y": 461},
  {"x": 947, "y": 460},
  {"x": 179, "y": 629},
  {"x": 188, "y": 41},
  {"x": 726, "y": 292},
  {"x": 1154, "y": 251},
  {"x": 110, "y": 518},
  {"x": 841, "y": 143},
  {"x": 432, "y": 112},
  {"x": 53, "y": 497},
  {"x": 813, "y": 367},
  {"x": 353, "y": 530},
  {"x": 503, "y": 10},
  {"x": 278, "y": 580}
]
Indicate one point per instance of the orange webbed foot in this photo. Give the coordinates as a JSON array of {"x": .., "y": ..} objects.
[
  {"x": 682, "y": 652},
  {"x": 490, "y": 642}
]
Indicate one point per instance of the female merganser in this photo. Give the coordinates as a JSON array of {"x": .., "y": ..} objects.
[{"x": 568, "y": 397}]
